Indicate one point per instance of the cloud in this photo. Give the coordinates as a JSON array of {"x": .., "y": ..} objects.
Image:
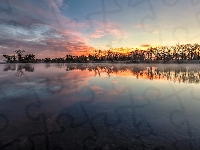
[
  {"x": 98, "y": 34},
  {"x": 39, "y": 27},
  {"x": 56, "y": 4}
]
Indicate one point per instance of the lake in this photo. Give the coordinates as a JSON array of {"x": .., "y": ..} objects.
[{"x": 99, "y": 106}]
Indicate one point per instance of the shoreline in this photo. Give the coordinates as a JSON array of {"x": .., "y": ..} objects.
[{"x": 117, "y": 62}]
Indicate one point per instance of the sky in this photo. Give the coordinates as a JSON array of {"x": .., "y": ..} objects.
[{"x": 55, "y": 28}]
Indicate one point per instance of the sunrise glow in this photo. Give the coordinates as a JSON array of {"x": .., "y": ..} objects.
[{"x": 54, "y": 28}]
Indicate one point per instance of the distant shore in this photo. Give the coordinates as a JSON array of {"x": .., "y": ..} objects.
[{"x": 123, "y": 62}]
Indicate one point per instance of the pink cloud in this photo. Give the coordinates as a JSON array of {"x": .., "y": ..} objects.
[
  {"x": 56, "y": 33},
  {"x": 97, "y": 34}
]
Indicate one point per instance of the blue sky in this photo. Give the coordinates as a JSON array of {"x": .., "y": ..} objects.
[{"x": 54, "y": 28}]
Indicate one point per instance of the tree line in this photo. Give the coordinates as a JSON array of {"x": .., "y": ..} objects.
[
  {"x": 19, "y": 57},
  {"x": 177, "y": 53}
]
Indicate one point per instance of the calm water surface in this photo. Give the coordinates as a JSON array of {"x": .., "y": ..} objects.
[{"x": 99, "y": 106}]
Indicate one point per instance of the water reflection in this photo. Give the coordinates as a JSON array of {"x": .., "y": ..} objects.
[
  {"x": 179, "y": 74},
  {"x": 20, "y": 68},
  {"x": 99, "y": 106}
]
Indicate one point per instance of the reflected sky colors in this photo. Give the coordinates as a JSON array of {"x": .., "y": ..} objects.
[
  {"x": 109, "y": 102},
  {"x": 53, "y": 28},
  {"x": 106, "y": 79}
]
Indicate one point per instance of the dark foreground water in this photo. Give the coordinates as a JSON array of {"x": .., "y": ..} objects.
[{"x": 99, "y": 106}]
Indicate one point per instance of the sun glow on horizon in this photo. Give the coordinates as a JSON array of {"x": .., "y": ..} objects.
[{"x": 55, "y": 29}]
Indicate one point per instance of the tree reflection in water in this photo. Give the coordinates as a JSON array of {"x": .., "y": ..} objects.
[
  {"x": 140, "y": 125},
  {"x": 20, "y": 68},
  {"x": 178, "y": 73}
]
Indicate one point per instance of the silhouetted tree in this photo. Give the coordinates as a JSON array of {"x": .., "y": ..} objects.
[{"x": 20, "y": 54}]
